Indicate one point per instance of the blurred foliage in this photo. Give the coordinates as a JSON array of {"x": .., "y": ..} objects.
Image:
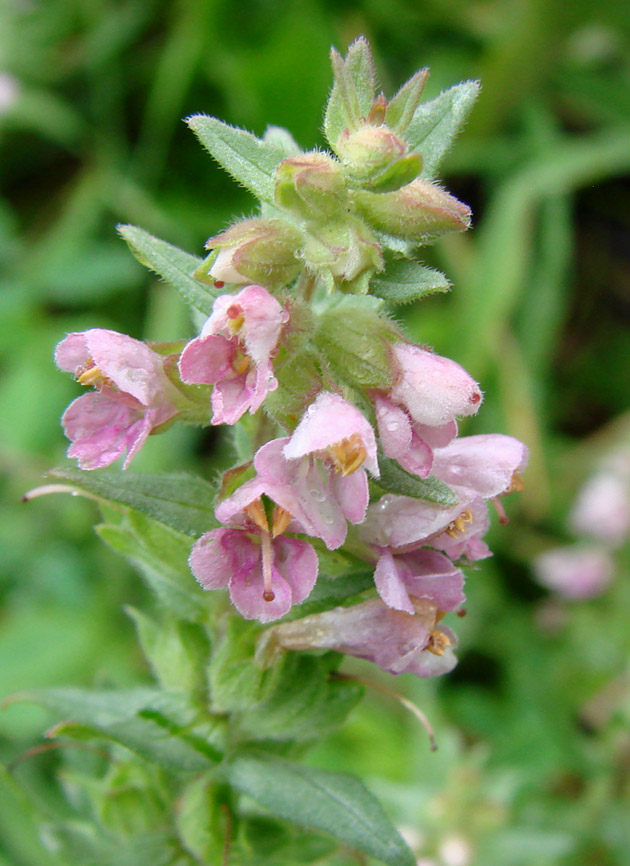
[{"x": 534, "y": 758}]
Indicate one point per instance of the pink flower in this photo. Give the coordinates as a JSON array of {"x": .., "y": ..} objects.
[
  {"x": 265, "y": 572},
  {"x": 477, "y": 468},
  {"x": 234, "y": 351},
  {"x": 421, "y": 574},
  {"x": 419, "y": 413},
  {"x": 398, "y": 642},
  {"x": 434, "y": 390},
  {"x": 577, "y": 571},
  {"x": 602, "y": 508},
  {"x": 134, "y": 395},
  {"x": 317, "y": 474}
]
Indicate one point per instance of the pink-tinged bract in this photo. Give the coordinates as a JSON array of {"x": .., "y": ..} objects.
[{"x": 234, "y": 352}]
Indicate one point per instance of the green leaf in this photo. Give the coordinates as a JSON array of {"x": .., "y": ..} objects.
[
  {"x": 172, "y": 264},
  {"x": 338, "y": 804},
  {"x": 183, "y": 502},
  {"x": 353, "y": 335},
  {"x": 435, "y": 124},
  {"x": 282, "y": 139},
  {"x": 249, "y": 160},
  {"x": 20, "y": 823},
  {"x": 178, "y": 651},
  {"x": 156, "y": 725},
  {"x": 352, "y": 94},
  {"x": 161, "y": 557},
  {"x": 395, "y": 479},
  {"x": 305, "y": 704},
  {"x": 402, "y": 107},
  {"x": 404, "y": 281},
  {"x": 236, "y": 683}
]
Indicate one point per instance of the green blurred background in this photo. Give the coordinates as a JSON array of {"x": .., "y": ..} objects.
[{"x": 534, "y": 758}]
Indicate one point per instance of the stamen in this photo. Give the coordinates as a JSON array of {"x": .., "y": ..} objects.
[
  {"x": 458, "y": 526},
  {"x": 90, "y": 374},
  {"x": 267, "y": 558},
  {"x": 240, "y": 363},
  {"x": 280, "y": 520},
  {"x": 475, "y": 397},
  {"x": 517, "y": 485},
  {"x": 256, "y": 514},
  {"x": 218, "y": 284},
  {"x": 503, "y": 518},
  {"x": 438, "y": 642},
  {"x": 348, "y": 455}
]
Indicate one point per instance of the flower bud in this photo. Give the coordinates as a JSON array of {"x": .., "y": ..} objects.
[
  {"x": 377, "y": 159},
  {"x": 254, "y": 251},
  {"x": 419, "y": 211},
  {"x": 311, "y": 186},
  {"x": 348, "y": 251}
]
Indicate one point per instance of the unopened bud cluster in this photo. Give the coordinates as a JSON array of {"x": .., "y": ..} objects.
[{"x": 297, "y": 338}]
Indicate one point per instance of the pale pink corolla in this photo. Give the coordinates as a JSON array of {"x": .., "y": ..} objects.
[
  {"x": 602, "y": 508},
  {"x": 476, "y": 468},
  {"x": 134, "y": 395},
  {"x": 406, "y": 441},
  {"x": 576, "y": 571},
  {"x": 234, "y": 352},
  {"x": 265, "y": 572},
  {"x": 398, "y": 642},
  {"x": 434, "y": 390},
  {"x": 419, "y": 412},
  {"x": 420, "y": 574},
  {"x": 318, "y": 473}
]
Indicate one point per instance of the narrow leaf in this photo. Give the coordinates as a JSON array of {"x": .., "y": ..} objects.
[
  {"x": 146, "y": 721},
  {"x": 160, "y": 555},
  {"x": 172, "y": 264},
  {"x": 249, "y": 160},
  {"x": 402, "y": 107},
  {"x": 435, "y": 124},
  {"x": 404, "y": 281},
  {"x": 360, "y": 68},
  {"x": 342, "y": 109},
  {"x": 395, "y": 479},
  {"x": 183, "y": 502},
  {"x": 338, "y": 804},
  {"x": 352, "y": 95}
]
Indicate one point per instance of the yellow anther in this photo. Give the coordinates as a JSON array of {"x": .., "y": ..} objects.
[
  {"x": 90, "y": 374},
  {"x": 280, "y": 521},
  {"x": 240, "y": 362},
  {"x": 438, "y": 642},
  {"x": 256, "y": 514},
  {"x": 348, "y": 455},
  {"x": 517, "y": 485},
  {"x": 458, "y": 526},
  {"x": 235, "y": 325}
]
